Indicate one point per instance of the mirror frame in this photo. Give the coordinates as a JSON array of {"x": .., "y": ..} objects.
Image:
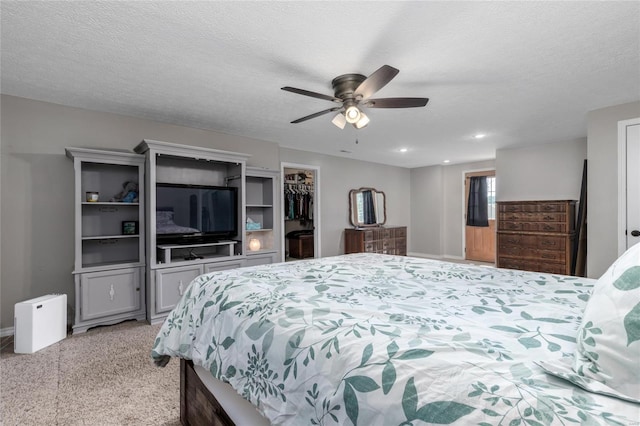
[{"x": 353, "y": 213}]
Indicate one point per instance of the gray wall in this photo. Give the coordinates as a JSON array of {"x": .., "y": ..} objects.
[
  {"x": 542, "y": 172},
  {"x": 337, "y": 177},
  {"x": 37, "y": 187},
  {"x": 602, "y": 183},
  {"x": 427, "y": 213},
  {"x": 437, "y": 208}
]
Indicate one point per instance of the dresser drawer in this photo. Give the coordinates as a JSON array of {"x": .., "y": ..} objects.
[
  {"x": 505, "y": 240},
  {"x": 532, "y": 217},
  {"x": 521, "y": 264},
  {"x": 551, "y": 242},
  {"x": 506, "y": 225},
  {"x": 551, "y": 256},
  {"x": 504, "y": 208},
  {"x": 553, "y": 268},
  {"x": 552, "y": 207},
  {"x": 369, "y": 235}
]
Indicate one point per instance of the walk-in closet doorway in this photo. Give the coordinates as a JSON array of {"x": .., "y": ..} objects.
[{"x": 300, "y": 211}]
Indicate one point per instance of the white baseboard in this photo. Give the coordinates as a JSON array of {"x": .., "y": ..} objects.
[
  {"x": 436, "y": 256},
  {"x": 425, "y": 255},
  {"x": 451, "y": 256},
  {"x": 4, "y": 332}
]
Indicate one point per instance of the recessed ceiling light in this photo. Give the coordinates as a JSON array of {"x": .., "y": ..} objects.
[
  {"x": 446, "y": 161},
  {"x": 479, "y": 136},
  {"x": 403, "y": 149}
]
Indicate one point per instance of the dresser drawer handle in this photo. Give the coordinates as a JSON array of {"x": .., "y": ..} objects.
[{"x": 548, "y": 217}]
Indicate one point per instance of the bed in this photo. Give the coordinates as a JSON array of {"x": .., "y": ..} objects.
[{"x": 372, "y": 339}]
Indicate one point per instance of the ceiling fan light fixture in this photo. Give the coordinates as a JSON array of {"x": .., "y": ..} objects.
[
  {"x": 352, "y": 114},
  {"x": 362, "y": 122},
  {"x": 339, "y": 120}
]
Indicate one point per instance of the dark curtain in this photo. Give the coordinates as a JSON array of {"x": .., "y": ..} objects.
[
  {"x": 477, "y": 208},
  {"x": 368, "y": 208}
]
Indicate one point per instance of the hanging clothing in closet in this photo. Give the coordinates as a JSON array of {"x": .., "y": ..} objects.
[{"x": 298, "y": 202}]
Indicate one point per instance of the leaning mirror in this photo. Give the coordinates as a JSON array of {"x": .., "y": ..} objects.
[{"x": 367, "y": 207}]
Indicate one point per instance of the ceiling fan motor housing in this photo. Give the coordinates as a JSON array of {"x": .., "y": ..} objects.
[{"x": 345, "y": 85}]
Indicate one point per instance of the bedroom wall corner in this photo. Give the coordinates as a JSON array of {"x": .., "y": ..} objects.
[
  {"x": 551, "y": 171},
  {"x": 339, "y": 176},
  {"x": 37, "y": 185},
  {"x": 437, "y": 208},
  {"x": 602, "y": 184},
  {"x": 427, "y": 195}
]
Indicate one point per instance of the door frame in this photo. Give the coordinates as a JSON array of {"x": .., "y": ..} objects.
[
  {"x": 316, "y": 206},
  {"x": 464, "y": 205},
  {"x": 622, "y": 181}
]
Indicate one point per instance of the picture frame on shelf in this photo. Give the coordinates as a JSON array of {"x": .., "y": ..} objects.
[{"x": 129, "y": 227}]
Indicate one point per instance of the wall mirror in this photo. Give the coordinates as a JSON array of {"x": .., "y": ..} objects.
[{"x": 367, "y": 207}]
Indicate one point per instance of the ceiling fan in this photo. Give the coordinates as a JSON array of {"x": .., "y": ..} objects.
[{"x": 352, "y": 92}]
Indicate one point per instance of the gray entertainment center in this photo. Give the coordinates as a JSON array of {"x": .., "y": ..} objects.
[{"x": 136, "y": 260}]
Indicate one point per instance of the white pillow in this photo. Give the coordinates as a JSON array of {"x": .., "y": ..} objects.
[{"x": 608, "y": 340}]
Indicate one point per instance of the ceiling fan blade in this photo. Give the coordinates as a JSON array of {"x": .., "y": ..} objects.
[
  {"x": 312, "y": 94},
  {"x": 317, "y": 114},
  {"x": 395, "y": 102},
  {"x": 376, "y": 81}
]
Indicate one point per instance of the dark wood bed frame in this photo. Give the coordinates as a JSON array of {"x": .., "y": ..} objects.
[{"x": 197, "y": 405}]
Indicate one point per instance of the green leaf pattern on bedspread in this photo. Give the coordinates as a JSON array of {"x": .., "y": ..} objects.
[{"x": 384, "y": 340}]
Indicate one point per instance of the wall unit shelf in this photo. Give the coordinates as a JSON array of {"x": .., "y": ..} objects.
[
  {"x": 168, "y": 253},
  {"x": 109, "y": 265},
  {"x": 261, "y": 208}
]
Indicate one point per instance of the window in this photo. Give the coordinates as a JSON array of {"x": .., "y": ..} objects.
[{"x": 491, "y": 197}]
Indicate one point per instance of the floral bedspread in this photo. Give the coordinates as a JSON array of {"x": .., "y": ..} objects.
[{"x": 371, "y": 339}]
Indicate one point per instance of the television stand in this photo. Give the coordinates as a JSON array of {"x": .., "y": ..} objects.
[{"x": 168, "y": 253}]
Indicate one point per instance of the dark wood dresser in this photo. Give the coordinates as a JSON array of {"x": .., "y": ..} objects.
[
  {"x": 386, "y": 240},
  {"x": 536, "y": 235}
]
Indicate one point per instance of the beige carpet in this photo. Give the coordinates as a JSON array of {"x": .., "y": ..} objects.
[{"x": 102, "y": 377}]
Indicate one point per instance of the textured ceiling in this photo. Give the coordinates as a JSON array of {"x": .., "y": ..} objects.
[{"x": 523, "y": 73}]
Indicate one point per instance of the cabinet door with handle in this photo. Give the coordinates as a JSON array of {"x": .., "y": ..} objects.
[
  {"x": 107, "y": 293},
  {"x": 171, "y": 285}
]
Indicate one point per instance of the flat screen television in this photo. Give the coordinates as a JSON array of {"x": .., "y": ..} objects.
[{"x": 190, "y": 214}]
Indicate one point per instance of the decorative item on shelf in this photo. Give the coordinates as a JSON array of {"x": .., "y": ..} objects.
[
  {"x": 254, "y": 244},
  {"x": 253, "y": 226},
  {"x": 129, "y": 227},
  {"x": 92, "y": 197},
  {"x": 129, "y": 193}
]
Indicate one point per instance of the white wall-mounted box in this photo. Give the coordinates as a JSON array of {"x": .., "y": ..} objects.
[{"x": 39, "y": 322}]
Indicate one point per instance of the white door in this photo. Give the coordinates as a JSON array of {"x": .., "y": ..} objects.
[{"x": 633, "y": 185}]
